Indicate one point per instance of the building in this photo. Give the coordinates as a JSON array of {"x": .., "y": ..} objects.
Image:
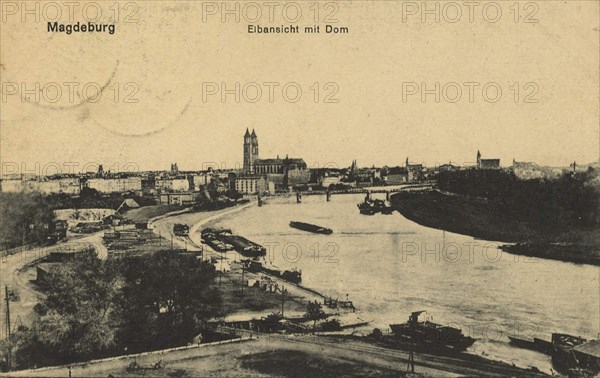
[
  {"x": 364, "y": 175},
  {"x": 47, "y": 186},
  {"x": 284, "y": 173},
  {"x": 487, "y": 163},
  {"x": 250, "y": 184},
  {"x": 200, "y": 180},
  {"x": 330, "y": 179},
  {"x": 115, "y": 185},
  {"x": 174, "y": 169},
  {"x": 397, "y": 175},
  {"x": 526, "y": 170},
  {"x": 172, "y": 184},
  {"x": 414, "y": 171},
  {"x": 181, "y": 198},
  {"x": 449, "y": 167}
]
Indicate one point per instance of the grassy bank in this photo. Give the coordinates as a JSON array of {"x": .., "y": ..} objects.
[
  {"x": 294, "y": 356},
  {"x": 486, "y": 220}
]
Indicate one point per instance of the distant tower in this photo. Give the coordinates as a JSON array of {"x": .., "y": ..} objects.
[
  {"x": 100, "y": 171},
  {"x": 250, "y": 151},
  {"x": 254, "y": 140},
  {"x": 174, "y": 169},
  {"x": 406, "y": 163},
  {"x": 478, "y": 159}
]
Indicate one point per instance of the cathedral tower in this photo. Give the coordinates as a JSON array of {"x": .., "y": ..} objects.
[{"x": 250, "y": 151}]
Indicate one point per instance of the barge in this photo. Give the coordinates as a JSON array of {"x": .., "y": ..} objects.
[
  {"x": 293, "y": 276},
  {"x": 310, "y": 228},
  {"x": 245, "y": 247},
  {"x": 535, "y": 344}
]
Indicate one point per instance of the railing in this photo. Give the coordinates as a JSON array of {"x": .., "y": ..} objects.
[
  {"x": 12, "y": 251},
  {"x": 130, "y": 356}
]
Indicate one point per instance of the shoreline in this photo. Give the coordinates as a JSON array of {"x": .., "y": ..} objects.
[
  {"x": 297, "y": 293},
  {"x": 482, "y": 220},
  {"x": 241, "y": 315}
]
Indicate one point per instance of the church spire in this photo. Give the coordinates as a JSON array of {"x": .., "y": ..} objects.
[
  {"x": 253, "y": 134},
  {"x": 247, "y": 132}
]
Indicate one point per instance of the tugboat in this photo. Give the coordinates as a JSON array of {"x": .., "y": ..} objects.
[
  {"x": 310, "y": 228},
  {"x": 373, "y": 206},
  {"x": 419, "y": 330},
  {"x": 365, "y": 208}
]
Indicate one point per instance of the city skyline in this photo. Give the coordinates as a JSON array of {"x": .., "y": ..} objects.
[{"x": 72, "y": 167}]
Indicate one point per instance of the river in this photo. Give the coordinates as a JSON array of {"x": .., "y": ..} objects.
[{"x": 390, "y": 266}]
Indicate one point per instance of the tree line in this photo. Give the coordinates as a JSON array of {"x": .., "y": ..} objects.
[
  {"x": 573, "y": 199},
  {"x": 28, "y": 217},
  {"x": 98, "y": 308}
]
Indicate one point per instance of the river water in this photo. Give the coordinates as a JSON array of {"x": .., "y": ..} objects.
[{"x": 390, "y": 266}]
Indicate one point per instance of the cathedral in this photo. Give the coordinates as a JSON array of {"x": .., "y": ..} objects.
[
  {"x": 254, "y": 165},
  {"x": 282, "y": 172}
]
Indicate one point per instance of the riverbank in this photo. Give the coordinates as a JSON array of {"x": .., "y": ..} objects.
[
  {"x": 485, "y": 220},
  {"x": 250, "y": 302}
]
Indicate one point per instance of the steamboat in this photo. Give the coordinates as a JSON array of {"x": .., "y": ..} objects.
[{"x": 419, "y": 330}]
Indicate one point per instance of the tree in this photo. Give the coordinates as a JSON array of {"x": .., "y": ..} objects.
[
  {"x": 165, "y": 300},
  {"x": 71, "y": 322},
  {"x": 314, "y": 312},
  {"x": 25, "y": 219}
]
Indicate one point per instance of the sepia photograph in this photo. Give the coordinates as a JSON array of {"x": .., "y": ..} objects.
[{"x": 306, "y": 188}]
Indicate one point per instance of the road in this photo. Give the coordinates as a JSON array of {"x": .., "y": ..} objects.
[
  {"x": 12, "y": 267},
  {"x": 227, "y": 359}
]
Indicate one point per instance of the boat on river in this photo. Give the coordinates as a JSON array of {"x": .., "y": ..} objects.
[
  {"x": 310, "y": 228},
  {"x": 229, "y": 241},
  {"x": 419, "y": 330},
  {"x": 373, "y": 206},
  {"x": 293, "y": 276},
  {"x": 535, "y": 344}
]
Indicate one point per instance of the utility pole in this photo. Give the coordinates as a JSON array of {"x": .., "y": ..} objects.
[
  {"x": 221, "y": 269},
  {"x": 411, "y": 362},
  {"x": 282, "y": 299},
  {"x": 171, "y": 242},
  {"x": 9, "y": 354},
  {"x": 243, "y": 280}
]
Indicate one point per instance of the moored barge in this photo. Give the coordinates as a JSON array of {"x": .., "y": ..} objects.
[{"x": 310, "y": 228}]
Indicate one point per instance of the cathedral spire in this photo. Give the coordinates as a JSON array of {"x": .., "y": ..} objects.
[{"x": 253, "y": 134}]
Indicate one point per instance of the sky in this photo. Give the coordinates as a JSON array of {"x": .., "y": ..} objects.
[{"x": 161, "y": 80}]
